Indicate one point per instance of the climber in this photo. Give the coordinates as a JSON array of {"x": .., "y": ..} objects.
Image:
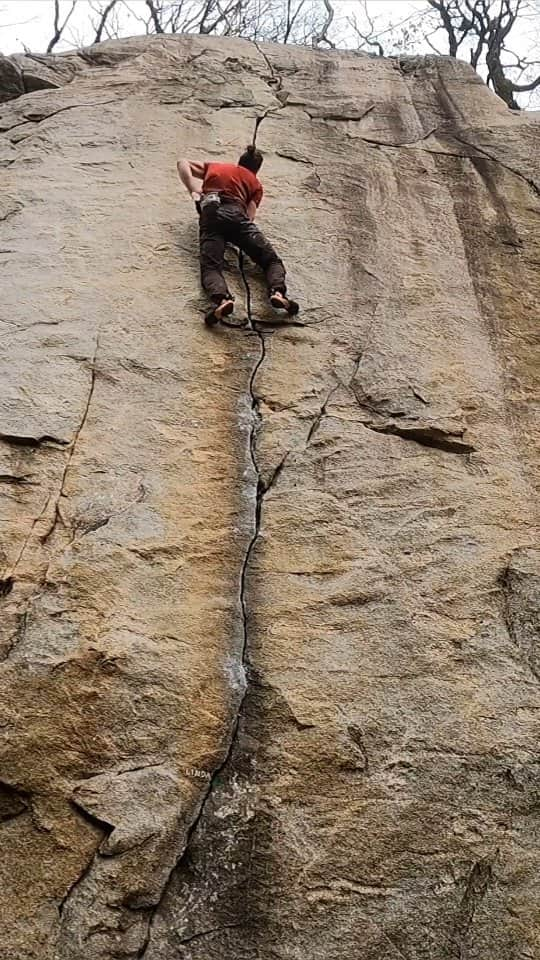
[{"x": 227, "y": 203}]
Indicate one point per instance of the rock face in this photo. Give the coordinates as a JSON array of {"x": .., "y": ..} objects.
[{"x": 270, "y": 596}]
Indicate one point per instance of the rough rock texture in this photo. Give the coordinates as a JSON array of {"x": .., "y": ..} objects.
[{"x": 270, "y": 597}]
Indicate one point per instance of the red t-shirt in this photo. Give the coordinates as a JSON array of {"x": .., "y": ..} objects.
[{"x": 234, "y": 181}]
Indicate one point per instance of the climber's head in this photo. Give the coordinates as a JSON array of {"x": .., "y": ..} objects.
[{"x": 251, "y": 158}]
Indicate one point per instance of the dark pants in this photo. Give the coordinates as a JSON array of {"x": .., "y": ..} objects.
[{"x": 230, "y": 224}]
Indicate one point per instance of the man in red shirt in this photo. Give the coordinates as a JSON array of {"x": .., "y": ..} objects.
[{"x": 227, "y": 203}]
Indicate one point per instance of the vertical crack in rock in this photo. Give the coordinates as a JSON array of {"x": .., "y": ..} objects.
[
  {"x": 276, "y": 83},
  {"x": 27, "y": 539},
  {"x": 106, "y": 829},
  {"x": 260, "y": 491},
  {"x": 18, "y": 635},
  {"x": 76, "y": 884},
  {"x": 264, "y": 56},
  {"x": 154, "y": 911},
  {"x": 260, "y": 119},
  {"x": 57, "y": 512},
  {"x": 20, "y": 632},
  {"x": 23, "y": 441},
  {"x": 275, "y": 80}
]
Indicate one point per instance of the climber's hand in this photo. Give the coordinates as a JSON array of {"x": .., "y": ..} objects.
[{"x": 195, "y": 196}]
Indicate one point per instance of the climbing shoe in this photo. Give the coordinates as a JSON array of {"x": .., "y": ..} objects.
[
  {"x": 223, "y": 309},
  {"x": 281, "y": 302}
]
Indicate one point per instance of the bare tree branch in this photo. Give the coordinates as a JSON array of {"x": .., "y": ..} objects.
[
  {"x": 486, "y": 25},
  {"x": 483, "y": 31},
  {"x": 103, "y": 17},
  {"x": 58, "y": 27},
  {"x": 155, "y": 15},
  {"x": 369, "y": 38},
  {"x": 322, "y": 35},
  {"x": 208, "y": 7},
  {"x": 432, "y": 45},
  {"x": 136, "y": 16},
  {"x": 523, "y": 87},
  {"x": 292, "y": 20},
  {"x": 222, "y": 16},
  {"x": 443, "y": 9}
]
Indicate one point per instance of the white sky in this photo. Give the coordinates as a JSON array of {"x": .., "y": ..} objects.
[{"x": 29, "y": 23}]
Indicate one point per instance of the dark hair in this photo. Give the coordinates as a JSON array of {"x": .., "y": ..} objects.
[{"x": 251, "y": 158}]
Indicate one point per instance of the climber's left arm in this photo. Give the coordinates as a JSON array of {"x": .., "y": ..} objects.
[
  {"x": 189, "y": 173},
  {"x": 254, "y": 201},
  {"x": 197, "y": 169}
]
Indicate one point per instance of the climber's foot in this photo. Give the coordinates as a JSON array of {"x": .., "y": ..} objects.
[
  {"x": 223, "y": 309},
  {"x": 281, "y": 302}
]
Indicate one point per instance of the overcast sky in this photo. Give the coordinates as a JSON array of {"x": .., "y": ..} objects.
[{"x": 29, "y": 23}]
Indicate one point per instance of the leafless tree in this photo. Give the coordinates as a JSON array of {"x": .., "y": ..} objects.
[
  {"x": 322, "y": 35},
  {"x": 477, "y": 30},
  {"x": 216, "y": 16},
  {"x": 58, "y": 26},
  {"x": 291, "y": 16},
  {"x": 104, "y": 14},
  {"x": 485, "y": 26},
  {"x": 481, "y": 31},
  {"x": 280, "y": 21},
  {"x": 390, "y": 38},
  {"x": 155, "y": 8},
  {"x": 366, "y": 37},
  {"x": 187, "y": 16}
]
